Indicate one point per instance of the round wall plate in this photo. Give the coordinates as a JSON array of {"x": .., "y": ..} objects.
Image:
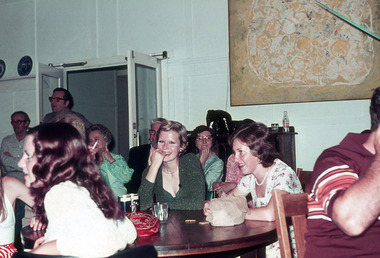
[
  {"x": 24, "y": 65},
  {"x": 2, "y": 68}
]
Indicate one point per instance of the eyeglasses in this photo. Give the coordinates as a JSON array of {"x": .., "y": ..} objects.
[
  {"x": 206, "y": 138},
  {"x": 18, "y": 122},
  {"x": 55, "y": 99},
  {"x": 152, "y": 132}
]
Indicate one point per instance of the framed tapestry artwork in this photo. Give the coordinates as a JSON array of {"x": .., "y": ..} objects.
[{"x": 284, "y": 51}]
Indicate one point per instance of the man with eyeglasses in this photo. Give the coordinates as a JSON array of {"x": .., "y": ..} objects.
[
  {"x": 61, "y": 103},
  {"x": 139, "y": 156},
  {"x": 11, "y": 152},
  {"x": 12, "y": 145}
]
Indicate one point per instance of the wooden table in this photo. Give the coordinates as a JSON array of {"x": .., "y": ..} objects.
[{"x": 178, "y": 238}]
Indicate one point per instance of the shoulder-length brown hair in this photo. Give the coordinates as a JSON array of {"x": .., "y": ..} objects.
[
  {"x": 258, "y": 139},
  {"x": 62, "y": 155}
]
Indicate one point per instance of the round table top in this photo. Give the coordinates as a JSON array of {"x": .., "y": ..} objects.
[
  {"x": 178, "y": 237},
  {"x": 188, "y": 233}
]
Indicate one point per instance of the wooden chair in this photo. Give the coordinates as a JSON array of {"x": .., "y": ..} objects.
[
  {"x": 305, "y": 177},
  {"x": 292, "y": 206}
]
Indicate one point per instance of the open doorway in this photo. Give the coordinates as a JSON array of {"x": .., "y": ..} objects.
[
  {"x": 123, "y": 93},
  {"x": 101, "y": 95}
]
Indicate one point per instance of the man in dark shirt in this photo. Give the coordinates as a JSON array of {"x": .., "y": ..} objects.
[
  {"x": 344, "y": 203},
  {"x": 139, "y": 156}
]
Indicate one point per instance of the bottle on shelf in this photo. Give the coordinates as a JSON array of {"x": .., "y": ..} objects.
[{"x": 285, "y": 121}]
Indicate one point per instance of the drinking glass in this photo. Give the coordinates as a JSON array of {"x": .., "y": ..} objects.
[{"x": 161, "y": 211}]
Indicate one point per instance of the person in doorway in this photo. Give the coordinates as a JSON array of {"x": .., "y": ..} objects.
[
  {"x": 61, "y": 103},
  {"x": 173, "y": 177},
  {"x": 82, "y": 216},
  {"x": 113, "y": 167},
  {"x": 139, "y": 156}
]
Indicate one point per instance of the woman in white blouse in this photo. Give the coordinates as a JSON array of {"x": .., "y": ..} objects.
[{"x": 81, "y": 213}]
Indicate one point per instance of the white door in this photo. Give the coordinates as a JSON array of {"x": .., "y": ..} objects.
[
  {"x": 48, "y": 79},
  {"x": 127, "y": 110},
  {"x": 145, "y": 95}
]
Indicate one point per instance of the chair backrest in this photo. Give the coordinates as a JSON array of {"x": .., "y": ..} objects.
[
  {"x": 295, "y": 207},
  {"x": 305, "y": 177}
]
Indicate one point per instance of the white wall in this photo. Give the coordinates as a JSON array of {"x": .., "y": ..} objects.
[{"x": 196, "y": 75}]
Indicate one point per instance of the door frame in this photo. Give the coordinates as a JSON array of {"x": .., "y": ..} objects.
[{"x": 130, "y": 60}]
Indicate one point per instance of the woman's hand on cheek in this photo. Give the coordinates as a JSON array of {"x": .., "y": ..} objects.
[
  {"x": 157, "y": 156},
  {"x": 204, "y": 155}
]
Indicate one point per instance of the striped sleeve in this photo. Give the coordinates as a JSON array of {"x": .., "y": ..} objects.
[
  {"x": 326, "y": 186},
  {"x": 6, "y": 251}
]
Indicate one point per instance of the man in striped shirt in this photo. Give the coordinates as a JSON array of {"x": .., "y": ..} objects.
[{"x": 344, "y": 203}]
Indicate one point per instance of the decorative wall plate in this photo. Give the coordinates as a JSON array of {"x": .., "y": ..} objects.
[
  {"x": 24, "y": 65},
  {"x": 2, "y": 68}
]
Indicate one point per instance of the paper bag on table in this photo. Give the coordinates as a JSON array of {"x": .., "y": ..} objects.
[{"x": 227, "y": 211}]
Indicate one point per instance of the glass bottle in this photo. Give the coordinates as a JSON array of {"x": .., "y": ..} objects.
[{"x": 285, "y": 121}]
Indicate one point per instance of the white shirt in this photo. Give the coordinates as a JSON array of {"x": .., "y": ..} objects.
[
  {"x": 281, "y": 177},
  {"x": 80, "y": 227},
  {"x": 7, "y": 227}
]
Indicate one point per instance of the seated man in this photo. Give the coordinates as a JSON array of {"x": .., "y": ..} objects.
[
  {"x": 139, "y": 156},
  {"x": 344, "y": 203}
]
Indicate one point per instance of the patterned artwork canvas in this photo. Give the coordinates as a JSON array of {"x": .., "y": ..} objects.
[{"x": 284, "y": 51}]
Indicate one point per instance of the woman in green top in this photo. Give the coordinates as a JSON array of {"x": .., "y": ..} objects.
[
  {"x": 171, "y": 177},
  {"x": 113, "y": 168}
]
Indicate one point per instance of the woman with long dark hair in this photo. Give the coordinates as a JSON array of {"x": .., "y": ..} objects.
[{"x": 81, "y": 213}]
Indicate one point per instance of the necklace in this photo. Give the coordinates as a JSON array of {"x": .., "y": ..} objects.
[
  {"x": 262, "y": 182},
  {"x": 167, "y": 171}
]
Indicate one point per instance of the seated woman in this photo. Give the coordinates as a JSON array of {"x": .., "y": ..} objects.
[
  {"x": 233, "y": 177},
  {"x": 263, "y": 172},
  {"x": 211, "y": 165},
  {"x": 113, "y": 168},
  {"x": 10, "y": 190},
  {"x": 171, "y": 177},
  {"x": 80, "y": 210}
]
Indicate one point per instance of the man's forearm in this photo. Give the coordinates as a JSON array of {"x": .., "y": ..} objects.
[{"x": 359, "y": 206}]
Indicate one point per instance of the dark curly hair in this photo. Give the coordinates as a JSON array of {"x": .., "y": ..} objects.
[
  {"x": 259, "y": 140},
  {"x": 62, "y": 156},
  {"x": 103, "y": 130},
  {"x": 200, "y": 129},
  {"x": 374, "y": 109}
]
